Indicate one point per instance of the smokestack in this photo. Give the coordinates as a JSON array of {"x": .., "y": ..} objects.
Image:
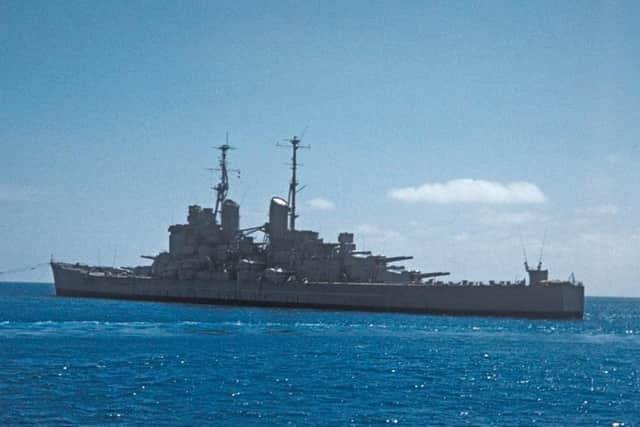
[
  {"x": 230, "y": 219},
  {"x": 278, "y": 215}
]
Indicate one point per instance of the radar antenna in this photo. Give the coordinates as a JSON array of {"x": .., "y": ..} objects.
[
  {"x": 222, "y": 188},
  {"x": 293, "y": 185}
]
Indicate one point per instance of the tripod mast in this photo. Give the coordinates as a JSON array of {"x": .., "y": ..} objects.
[
  {"x": 222, "y": 188},
  {"x": 293, "y": 185}
]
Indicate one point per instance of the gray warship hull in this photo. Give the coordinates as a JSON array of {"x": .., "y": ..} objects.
[{"x": 560, "y": 300}]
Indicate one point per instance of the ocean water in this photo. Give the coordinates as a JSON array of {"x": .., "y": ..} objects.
[{"x": 75, "y": 361}]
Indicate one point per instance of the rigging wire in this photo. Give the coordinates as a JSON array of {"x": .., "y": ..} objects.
[
  {"x": 524, "y": 250},
  {"x": 544, "y": 239},
  {"x": 23, "y": 269}
]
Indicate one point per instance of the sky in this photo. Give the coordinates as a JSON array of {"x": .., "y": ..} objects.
[{"x": 456, "y": 132}]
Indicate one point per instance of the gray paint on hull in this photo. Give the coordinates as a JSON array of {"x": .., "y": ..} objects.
[{"x": 562, "y": 301}]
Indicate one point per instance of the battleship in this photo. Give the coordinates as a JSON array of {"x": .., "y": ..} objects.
[{"x": 212, "y": 260}]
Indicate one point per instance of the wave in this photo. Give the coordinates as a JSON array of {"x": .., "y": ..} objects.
[{"x": 467, "y": 331}]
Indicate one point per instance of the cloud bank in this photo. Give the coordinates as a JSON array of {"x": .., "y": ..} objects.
[
  {"x": 470, "y": 191},
  {"x": 321, "y": 204}
]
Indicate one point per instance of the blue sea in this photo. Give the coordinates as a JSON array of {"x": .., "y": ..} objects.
[{"x": 70, "y": 361}]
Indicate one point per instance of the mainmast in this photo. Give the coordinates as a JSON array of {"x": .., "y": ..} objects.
[
  {"x": 222, "y": 188},
  {"x": 293, "y": 185}
]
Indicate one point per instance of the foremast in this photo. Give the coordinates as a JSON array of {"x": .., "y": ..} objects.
[{"x": 222, "y": 187}]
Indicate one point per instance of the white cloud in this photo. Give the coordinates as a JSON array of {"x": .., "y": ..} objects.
[
  {"x": 604, "y": 209},
  {"x": 612, "y": 158},
  {"x": 367, "y": 229},
  {"x": 378, "y": 233},
  {"x": 461, "y": 237},
  {"x": 470, "y": 191},
  {"x": 322, "y": 204},
  {"x": 508, "y": 218}
]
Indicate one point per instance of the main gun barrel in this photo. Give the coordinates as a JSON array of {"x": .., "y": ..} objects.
[
  {"x": 387, "y": 260},
  {"x": 434, "y": 274}
]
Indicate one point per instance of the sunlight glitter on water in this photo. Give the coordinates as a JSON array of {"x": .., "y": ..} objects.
[{"x": 93, "y": 360}]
